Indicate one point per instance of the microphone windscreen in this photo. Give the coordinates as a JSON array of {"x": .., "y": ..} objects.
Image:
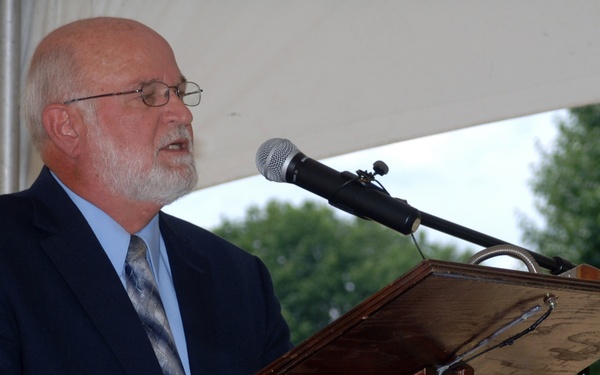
[{"x": 273, "y": 156}]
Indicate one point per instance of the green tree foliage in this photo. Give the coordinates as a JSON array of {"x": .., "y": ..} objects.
[
  {"x": 323, "y": 265},
  {"x": 567, "y": 189}
]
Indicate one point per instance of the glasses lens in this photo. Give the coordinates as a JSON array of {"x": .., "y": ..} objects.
[
  {"x": 155, "y": 94},
  {"x": 190, "y": 93}
]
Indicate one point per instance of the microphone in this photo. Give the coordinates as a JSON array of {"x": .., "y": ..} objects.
[{"x": 280, "y": 160}]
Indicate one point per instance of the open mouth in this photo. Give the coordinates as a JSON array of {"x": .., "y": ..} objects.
[
  {"x": 177, "y": 146},
  {"x": 179, "y": 140}
]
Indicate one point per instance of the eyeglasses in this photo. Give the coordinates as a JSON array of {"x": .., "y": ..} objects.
[{"x": 157, "y": 94}]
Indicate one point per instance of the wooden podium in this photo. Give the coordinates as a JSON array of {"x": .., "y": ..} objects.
[{"x": 440, "y": 310}]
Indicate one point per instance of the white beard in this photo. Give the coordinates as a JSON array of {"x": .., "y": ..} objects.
[{"x": 122, "y": 169}]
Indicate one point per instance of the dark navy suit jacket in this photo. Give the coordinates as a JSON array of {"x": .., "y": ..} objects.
[{"x": 63, "y": 309}]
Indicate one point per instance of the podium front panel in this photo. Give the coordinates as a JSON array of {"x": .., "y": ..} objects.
[{"x": 440, "y": 310}]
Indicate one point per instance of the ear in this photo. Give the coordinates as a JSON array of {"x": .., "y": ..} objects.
[{"x": 63, "y": 124}]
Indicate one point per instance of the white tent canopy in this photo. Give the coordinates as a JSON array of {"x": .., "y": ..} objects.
[{"x": 335, "y": 76}]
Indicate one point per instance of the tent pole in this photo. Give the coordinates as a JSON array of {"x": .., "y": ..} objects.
[{"x": 10, "y": 42}]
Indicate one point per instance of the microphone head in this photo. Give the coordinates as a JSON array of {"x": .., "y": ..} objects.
[{"x": 273, "y": 157}]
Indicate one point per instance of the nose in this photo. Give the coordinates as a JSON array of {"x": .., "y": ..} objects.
[{"x": 177, "y": 111}]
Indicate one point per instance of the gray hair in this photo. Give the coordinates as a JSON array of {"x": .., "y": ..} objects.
[{"x": 53, "y": 77}]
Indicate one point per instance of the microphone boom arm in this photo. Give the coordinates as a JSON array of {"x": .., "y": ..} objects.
[{"x": 556, "y": 265}]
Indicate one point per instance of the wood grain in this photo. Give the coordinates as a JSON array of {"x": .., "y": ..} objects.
[{"x": 439, "y": 310}]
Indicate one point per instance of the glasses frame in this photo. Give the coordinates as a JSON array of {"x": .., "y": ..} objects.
[{"x": 141, "y": 91}]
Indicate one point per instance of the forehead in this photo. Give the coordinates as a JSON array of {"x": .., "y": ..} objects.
[
  {"x": 120, "y": 51},
  {"x": 134, "y": 59}
]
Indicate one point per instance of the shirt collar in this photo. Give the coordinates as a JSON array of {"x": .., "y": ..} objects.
[{"x": 151, "y": 235}]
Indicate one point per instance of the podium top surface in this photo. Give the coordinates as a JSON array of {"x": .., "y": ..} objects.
[{"x": 440, "y": 310}]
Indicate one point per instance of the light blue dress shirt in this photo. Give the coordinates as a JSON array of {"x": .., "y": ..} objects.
[{"x": 115, "y": 241}]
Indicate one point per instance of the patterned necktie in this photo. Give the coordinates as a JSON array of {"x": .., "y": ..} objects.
[{"x": 141, "y": 288}]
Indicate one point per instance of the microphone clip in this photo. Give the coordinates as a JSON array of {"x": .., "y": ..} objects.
[{"x": 379, "y": 168}]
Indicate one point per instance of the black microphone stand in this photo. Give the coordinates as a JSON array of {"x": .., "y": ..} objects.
[{"x": 556, "y": 265}]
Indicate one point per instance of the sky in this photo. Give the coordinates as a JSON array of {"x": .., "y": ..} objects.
[{"x": 478, "y": 177}]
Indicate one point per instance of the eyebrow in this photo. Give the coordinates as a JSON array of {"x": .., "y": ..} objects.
[{"x": 143, "y": 82}]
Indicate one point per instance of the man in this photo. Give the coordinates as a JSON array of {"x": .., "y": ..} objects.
[{"x": 107, "y": 108}]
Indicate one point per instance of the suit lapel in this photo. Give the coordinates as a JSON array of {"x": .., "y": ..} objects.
[
  {"x": 194, "y": 285},
  {"x": 78, "y": 256}
]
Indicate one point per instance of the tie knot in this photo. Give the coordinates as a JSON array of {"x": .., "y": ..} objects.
[{"x": 137, "y": 248}]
